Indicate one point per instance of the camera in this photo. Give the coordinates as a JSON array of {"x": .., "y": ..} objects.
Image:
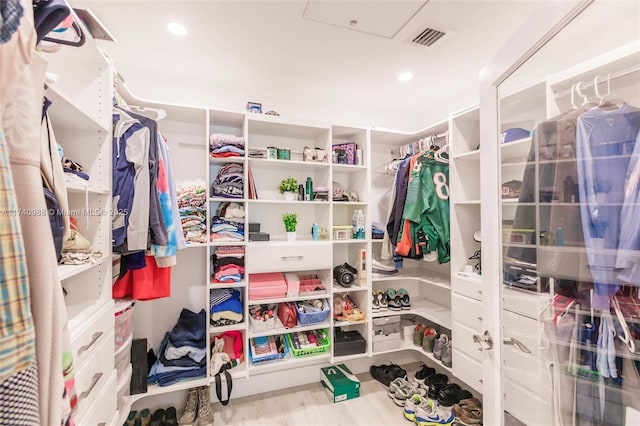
[{"x": 345, "y": 275}]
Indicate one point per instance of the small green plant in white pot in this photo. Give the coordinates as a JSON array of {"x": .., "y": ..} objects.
[
  {"x": 290, "y": 221},
  {"x": 288, "y": 187}
]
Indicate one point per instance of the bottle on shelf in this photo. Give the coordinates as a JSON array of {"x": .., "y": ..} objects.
[
  {"x": 309, "y": 190},
  {"x": 354, "y": 224},
  {"x": 359, "y": 234},
  {"x": 314, "y": 232}
]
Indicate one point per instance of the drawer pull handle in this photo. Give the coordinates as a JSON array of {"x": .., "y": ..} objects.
[
  {"x": 101, "y": 424},
  {"x": 517, "y": 343},
  {"x": 94, "y": 339},
  {"x": 94, "y": 382},
  {"x": 292, "y": 257},
  {"x": 485, "y": 341}
]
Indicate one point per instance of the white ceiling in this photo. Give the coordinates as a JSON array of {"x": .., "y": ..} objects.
[{"x": 266, "y": 51}]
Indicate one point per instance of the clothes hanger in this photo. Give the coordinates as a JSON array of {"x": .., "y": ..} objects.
[
  {"x": 585, "y": 100},
  {"x": 160, "y": 113},
  {"x": 626, "y": 338},
  {"x": 81, "y": 38},
  {"x": 573, "y": 97},
  {"x": 608, "y": 99}
]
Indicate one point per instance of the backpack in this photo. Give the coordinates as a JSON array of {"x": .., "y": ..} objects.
[{"x": 288, "y": 314}]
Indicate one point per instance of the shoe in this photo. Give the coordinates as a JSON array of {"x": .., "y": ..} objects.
[
  {"x": 410, "y": 406},
  {"x": 418, "y": 333},
  {"x": 375, "y": 303},
  {"x": 385, "y": 374},
  {"x": 205, "y": 413},
  {"x": 469, "y": 411},
  {"x": 145, "y": 417},
  {"x": 449, "y": 395},
  {"x": 157, "y": 418},
  {"x": 430, "y": 414},
  {"x": 188, "y": 417},
  {"x": 393, "y": 300},
  {"x": 400, "y": 390},
  {"x": 131, "y": 418},
  {"x": 170, "y": 417},
  {"x": 424, "y": 372},
  {"x": 405, "y": 302},
  {"x": 382, "y": 301},
  {"x": 439, "y": 345},
  {"x": 447, "y": 360},
  {"x": 428, "y": 339},
  {"x": 435, "y": 383}
]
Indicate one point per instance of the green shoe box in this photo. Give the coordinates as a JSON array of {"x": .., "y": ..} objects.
[{"x": 341, "y": 383}]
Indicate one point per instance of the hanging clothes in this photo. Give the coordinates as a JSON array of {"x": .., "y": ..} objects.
[{"x": 21, "y": 123}]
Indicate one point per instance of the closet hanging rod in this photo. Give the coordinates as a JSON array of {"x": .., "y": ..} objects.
[
  {"x": 433, "y": 138},
  {"x": 615, "y": 75}
]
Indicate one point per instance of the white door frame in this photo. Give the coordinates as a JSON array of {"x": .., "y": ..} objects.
[{"x": 549, "y": 19}]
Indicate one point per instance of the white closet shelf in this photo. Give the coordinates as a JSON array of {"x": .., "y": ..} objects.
[
  {"x": 216, "y": 243},
  {"x": 347, "y": 168},
  {"x": 516, "y": 150},
  {"x": 350, "y": 203},
  {"x": 68, "y": 271},
  {"x": 81, "y": 189},
  {"x": 325, "y": 203},
  {"x": 477, "y": 279},
  {"x": 194, "y": 245},
  {"x": 409, "y": 346},
  {"x": 344, "y": 358},
  {"x": 226, "y": 200},
  {"x": 222, "y": 329},
  {"x": 470, "y": 155},
  {"x": 346, "y": 323},
  {"x": 513, "y": 201},
  {"x": 284, "y": 243},
  {"x": 279, "y": 329},
  {"x": 270, "y": 164},
  {"x": 286, "y": 363},
  {"x": 438, "y": 280},
  {"x": 319, "y": 295},
  {"x": 66, "y": 114},
  {"x": 240, "y": 284},
  {"x": 425, "y": 308},
  {"x": 223, "y": 160},
  {"x": 350, "y": 241},
  {"x": 349, "y": 289},
  {"x": 467, "y": 202},
  {"x": 153, "y": 390}
]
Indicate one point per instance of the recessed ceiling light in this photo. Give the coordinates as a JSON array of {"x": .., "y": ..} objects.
[
  {"x": 177, "y": 29},
  {"x": 405, "y": 76}
]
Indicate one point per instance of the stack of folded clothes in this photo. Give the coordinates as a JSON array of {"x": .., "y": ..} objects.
[
  {"x": 228, "y": 223},
  {"x": 192, "y": 198},
  {"x": 229, "y": 182},
  {"x": 183, "y": 351},
  {"x": 225, "y": 306},
  {"x": 221, "y": 145},
  {"x": 73, "y": 171},
  {"x": 77, "y": 250},
  {"x": 377, "y": 231},
  {"x": 228, "y": 264}
]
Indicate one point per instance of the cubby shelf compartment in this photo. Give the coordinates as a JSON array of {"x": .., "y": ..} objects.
[{"x": 424, "y": 308}]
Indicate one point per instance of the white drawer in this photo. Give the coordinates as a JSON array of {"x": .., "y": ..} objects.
[
  {"x": 281, "y": 256},
  {"x": 96, "y": 371},
  {"x": 466, "y": 311},
  {"x": 526, "y": 370},
  {"x": 467, "y": 286},
  {"x": 101, "y": 412},
  {"x": 524, "y": 329},
  {"x": 90, "y": 332},
  {"x": 468, "y": 370},
  {"x": 526, "y": 406},
  {"x": 462, "y": 340},
  {"x": 524, "y": 302}
]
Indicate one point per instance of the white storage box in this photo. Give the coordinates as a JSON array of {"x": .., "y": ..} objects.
[
  {"x": 408, "y": 330},
  {"x": 386, "y": 325},
  {"x": 123, "y": 388},
  {"x": 123, "y": 312},
  {"x": 122, "y": 358}
]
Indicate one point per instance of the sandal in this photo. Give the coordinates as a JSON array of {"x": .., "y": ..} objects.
[
  {"x": 405, "y": 302},
  {"x": 469, "y": 411},
  {"x": 354, "y": 315}
]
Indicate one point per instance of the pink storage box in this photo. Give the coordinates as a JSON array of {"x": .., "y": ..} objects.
[
  {"x": 267, "y": 286},
  {"x": 293, "y": 284}
]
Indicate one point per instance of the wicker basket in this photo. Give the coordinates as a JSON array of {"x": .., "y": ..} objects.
[{"x": 308, "y": 318}]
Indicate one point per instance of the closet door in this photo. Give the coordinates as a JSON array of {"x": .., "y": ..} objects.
[{"x": 563, "y": 252}]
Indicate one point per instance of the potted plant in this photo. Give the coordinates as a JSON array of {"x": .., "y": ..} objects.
[
  {"x": 289, "y": 187},
  {"x": 290, "y": 223}
]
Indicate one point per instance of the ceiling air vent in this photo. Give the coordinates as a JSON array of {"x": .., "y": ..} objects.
[{"x": 428, "y": 36}]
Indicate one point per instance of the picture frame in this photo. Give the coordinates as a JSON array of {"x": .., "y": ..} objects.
[{"x": 254, "y": 107}]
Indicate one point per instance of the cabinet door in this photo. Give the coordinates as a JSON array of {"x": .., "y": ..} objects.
[{"x": 554, "y": 102}]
